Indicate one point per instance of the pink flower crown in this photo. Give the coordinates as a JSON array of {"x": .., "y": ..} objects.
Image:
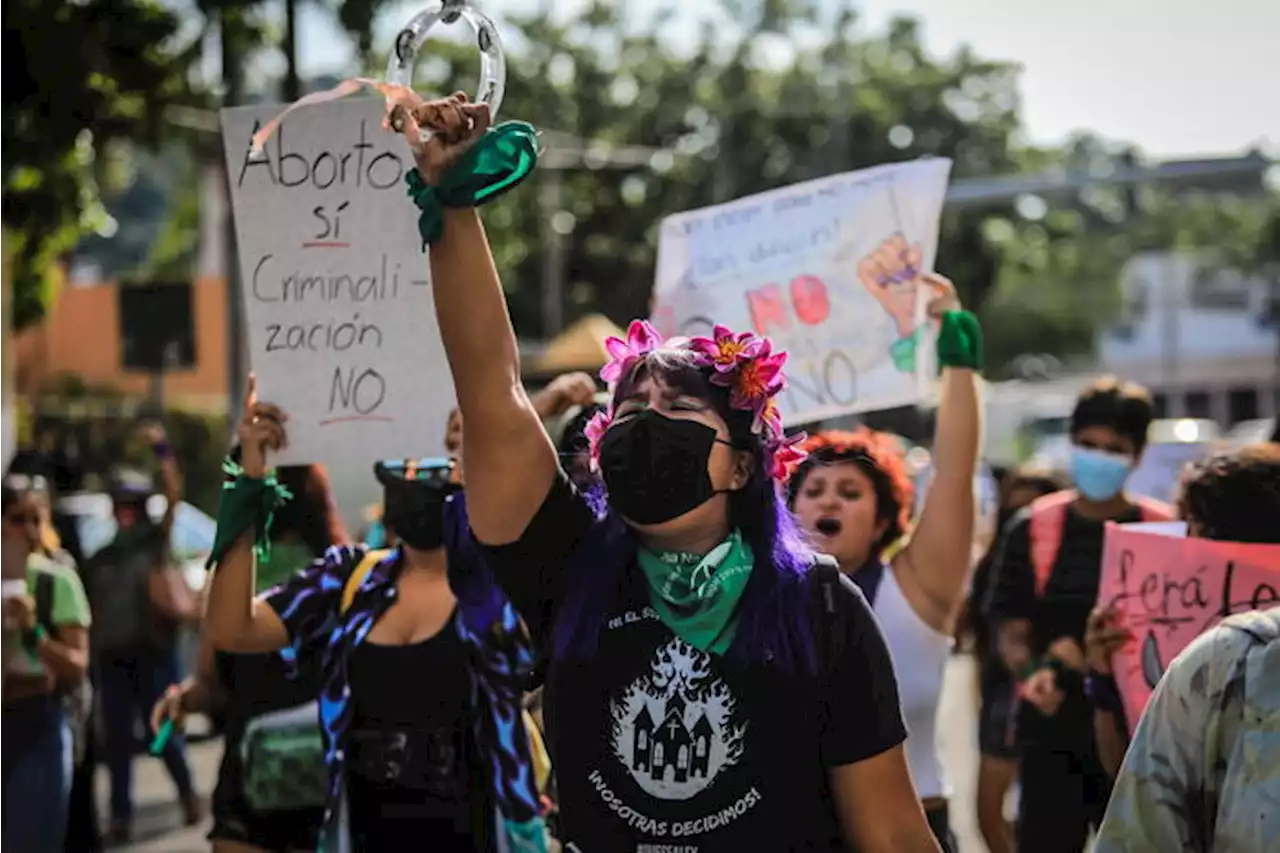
[{"x": 744, "y": 363}]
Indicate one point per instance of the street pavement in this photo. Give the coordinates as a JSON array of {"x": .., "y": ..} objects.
[{"x": 158, "y": 821}]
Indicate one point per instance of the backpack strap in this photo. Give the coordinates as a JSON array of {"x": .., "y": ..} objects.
[
  {"x": 830, "y": 640},
  {"x": 1047, "y": 523},
  {"x": 44, "y": 601},
  {"x": 357, "y": 576}
]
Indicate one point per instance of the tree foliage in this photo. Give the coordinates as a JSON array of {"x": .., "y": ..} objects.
[{"x": 82, "y": 76}]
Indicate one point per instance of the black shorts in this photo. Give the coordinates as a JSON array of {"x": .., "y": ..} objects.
[{"x": 998, "y": 714}]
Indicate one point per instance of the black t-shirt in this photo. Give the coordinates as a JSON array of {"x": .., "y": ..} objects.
[
  {"x": 660, "y": 747},
  {"x": 412, "y": 770},
  {"x": 1072, "y": 590},
  {"x": 1061, "y": 611}
]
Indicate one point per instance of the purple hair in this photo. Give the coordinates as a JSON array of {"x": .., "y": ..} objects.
[{"x": 774, "y": 613}]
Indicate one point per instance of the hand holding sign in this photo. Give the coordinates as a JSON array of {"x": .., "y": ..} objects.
[
  {"x": 1168, "y": 590},
  {"x": 261, "y": 430},
  {"x": 1104, "y": 635}
]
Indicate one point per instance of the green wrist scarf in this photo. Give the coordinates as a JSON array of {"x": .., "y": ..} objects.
[
  {"x": 247, "y": 502},
  {"x": 960, "y": 341},
  {"x": 499, "y": 161},
  {"x": 697, "y": 596}
]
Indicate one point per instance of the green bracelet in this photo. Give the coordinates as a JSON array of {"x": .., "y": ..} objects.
[
  {"x": 499, "y": 161},
  {"x": 960, "y": 341},
  {"x": 247, "y": 503},
  {"x": 31, "y": 641}
]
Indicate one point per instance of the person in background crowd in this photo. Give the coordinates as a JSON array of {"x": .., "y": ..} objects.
[
  {"x": 60, "y": 541},
  {"x": 853, "y": 497},
  {"x": 1203, "y": 771},
  {"x": 998, "y": 756},
  {"x": 50, "y": 618},
  {"x": 140, "y": 599},
  {"x": 707, "y": 686},
  {"x": 1044, "y": 584},
  {"x": 245, "y": 687},
  {"x": 450, "y": 765},
  {"x": 574, "y": 448},
  {"x": 565, "y": 392}
]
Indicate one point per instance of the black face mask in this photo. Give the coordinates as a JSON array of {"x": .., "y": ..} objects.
[
  {"x": 415, "y": 513},
  {"x": 655, "y": 467}
]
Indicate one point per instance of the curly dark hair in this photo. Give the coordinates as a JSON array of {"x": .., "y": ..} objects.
[
  {"x": 879, "y": 457},
  {"x": 1125, "y": 407},
  {"x": 1234, "y": 495}
]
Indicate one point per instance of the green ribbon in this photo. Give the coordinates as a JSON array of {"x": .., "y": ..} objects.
[
  {"x": 696, "y": 595},
  {"x": 247, "y": 502},
  {"x": 960, "y": 341},
  {"x": 499, "y": 161}
]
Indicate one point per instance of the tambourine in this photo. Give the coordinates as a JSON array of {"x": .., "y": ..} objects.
[{"x": 493, "y": 63}]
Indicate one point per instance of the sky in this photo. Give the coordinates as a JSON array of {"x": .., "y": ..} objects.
[{"x": 1176, "y": 77}]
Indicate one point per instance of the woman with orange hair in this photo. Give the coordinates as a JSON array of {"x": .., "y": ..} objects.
[{"x": 853, "y": 495}]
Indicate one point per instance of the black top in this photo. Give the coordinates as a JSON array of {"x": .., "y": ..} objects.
[
  {"x": 658, "y": 746},
  {"x": 1061, "y": 611},
  {"x": 412, "y": 769}
]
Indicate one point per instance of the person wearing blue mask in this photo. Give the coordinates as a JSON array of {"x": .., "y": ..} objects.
[{"x": 1043, "y": 586}]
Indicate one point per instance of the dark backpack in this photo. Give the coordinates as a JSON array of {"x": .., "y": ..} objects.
[{"x": 117, "y": 580}]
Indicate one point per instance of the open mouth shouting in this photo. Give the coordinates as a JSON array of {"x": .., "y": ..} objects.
[{"x": 828, "y": 527}]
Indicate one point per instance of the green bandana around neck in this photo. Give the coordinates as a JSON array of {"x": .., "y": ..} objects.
[{"x": 697, "y": 596}]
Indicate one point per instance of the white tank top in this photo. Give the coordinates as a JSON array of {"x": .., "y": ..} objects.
[{"x": 919, "y": 655}]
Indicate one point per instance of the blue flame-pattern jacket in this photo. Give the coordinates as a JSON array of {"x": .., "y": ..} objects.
[{"x": 309, "y": 604}]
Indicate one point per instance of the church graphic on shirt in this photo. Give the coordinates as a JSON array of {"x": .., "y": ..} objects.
[
  {"x": 675, "y": 728},
  {"x": 674, "y": 749}
]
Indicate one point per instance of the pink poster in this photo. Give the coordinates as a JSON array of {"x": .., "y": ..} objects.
[{"x": 1170, "y": 589}]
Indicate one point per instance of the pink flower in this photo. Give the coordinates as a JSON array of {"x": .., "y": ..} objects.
[
  {"x": 594, "y": 432},
  {"x": 726, "y": 351},
  {"x": 642, "y": 339},
  {"x": 785, "y": 455},
  {"x": 758, "y": 378},
  {"x": 768, "y": 421}
]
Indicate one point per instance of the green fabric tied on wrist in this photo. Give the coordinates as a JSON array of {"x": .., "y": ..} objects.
[
  {"x": 499, "y": 161},
  {"x": 960, "y": 341},
  {"x": 247, "y": 502}
]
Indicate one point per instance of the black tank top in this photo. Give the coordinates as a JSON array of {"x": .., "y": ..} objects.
[{"x": 411, "y": 763}]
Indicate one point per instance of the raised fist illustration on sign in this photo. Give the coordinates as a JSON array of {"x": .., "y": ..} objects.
[{"x": 891, "y": 273}]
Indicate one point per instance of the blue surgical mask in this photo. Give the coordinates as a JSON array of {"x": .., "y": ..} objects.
[{"x": 1099, "y": 475}]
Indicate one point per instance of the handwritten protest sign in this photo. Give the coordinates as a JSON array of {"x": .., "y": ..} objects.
[
  {"x": 1160, "y": 468},
  {"x": 829, "y": 269},
  {"x": 337, "y": 289},
  {"x": 1170, "y": 589}
]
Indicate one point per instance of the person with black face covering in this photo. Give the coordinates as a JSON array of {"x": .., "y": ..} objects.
[{"x": 424, "y": 661}]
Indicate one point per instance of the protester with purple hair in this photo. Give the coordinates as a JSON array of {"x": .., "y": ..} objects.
[{"x": 712, "y": 685}]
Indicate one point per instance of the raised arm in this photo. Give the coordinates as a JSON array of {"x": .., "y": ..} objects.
[
  {"x": 170, "y": 474},
  {"x": 937, "y": 559},
  {"x": 509, "y": 461},
  {"x": 234, "y": 620}
]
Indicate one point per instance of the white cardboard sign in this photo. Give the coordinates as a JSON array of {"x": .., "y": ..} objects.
[
  {"x": 829, "y": 270},
  {"x": 337, "y": 288}
]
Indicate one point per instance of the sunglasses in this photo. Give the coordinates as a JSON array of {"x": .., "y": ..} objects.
[
  {"x": 26, "y": 483},
  {"x": 21, "y": 519},
  {"x": 427, "y": 471}
]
